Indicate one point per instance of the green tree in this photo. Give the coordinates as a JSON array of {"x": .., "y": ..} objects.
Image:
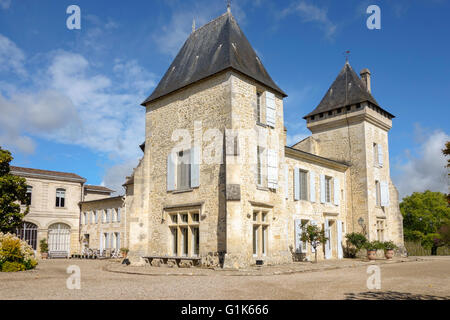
[
  {"x": 314, "y": 236},
  {"x": 424, "y": 214},
  {"x": 13, "y": 192}
]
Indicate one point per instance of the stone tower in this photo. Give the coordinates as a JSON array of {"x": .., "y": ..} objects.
[{"x": 350, "y": 126}]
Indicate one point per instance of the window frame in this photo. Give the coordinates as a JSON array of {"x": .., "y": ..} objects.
[
  {"x": 260, "y": 228},
  {"x": 62, "y": 199},
  {"x": 191, "y": 245}
]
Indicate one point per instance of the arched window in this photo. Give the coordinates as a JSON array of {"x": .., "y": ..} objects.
[
  {"x": 28, "y": 232},
  {"x": 59, "y": 237},
  {"x": 60, "y": 198}
]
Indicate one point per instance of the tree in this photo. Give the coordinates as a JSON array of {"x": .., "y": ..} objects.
[
  {"x": 358, "y": 240},
  {"x": 424, "y": 214},
  {"x": 314, "y": 236},
  {"x": 446, "y": 152},
  {"x": 13, "y": 192}
]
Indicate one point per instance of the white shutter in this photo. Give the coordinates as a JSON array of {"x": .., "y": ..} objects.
[
  {"x": 119, "y": 214},
  {"x": 101, "y": 242},
  {"x": 298, "y": 233},
  {"x": 118, "y": 240},
  {"x": 195, "y": 167},
  {"x": 111, "y": 240},
  {"x": 272, "y": 169},
  {"x": 270, "y": 109},
  {"x": 313, "y": 223},
  {"x": 327, "y": 244},
  {"x": 384, "y": 188},
  {"x": 171, "y": 172},
  {"x": 322, "y": 188},
  {"x": 296, "y": 182},
  {"x": 337, "y": 191},
  {"x": 380, "y": 155},
  {"x": 312, "y": 186},
  {"x": 286, "y": 177},
  {"x": 339, "y": 239}
]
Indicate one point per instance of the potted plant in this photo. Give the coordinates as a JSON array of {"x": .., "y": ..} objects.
[
  {"x": 372, "y": 248},
  {"x": 389, "y": 248},
  {"x": 124, "y": 252},
  {"x": 43, "y": 245}
]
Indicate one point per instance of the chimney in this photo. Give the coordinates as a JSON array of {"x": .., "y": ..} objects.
[{"x": 365, "y": 77}]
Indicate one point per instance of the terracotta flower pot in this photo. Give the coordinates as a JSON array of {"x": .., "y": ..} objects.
[
  {"x": 124, "y": 254},
  {"x": 389, "y": 254},
  {"x": 371, "y": 254},
  {"x": 44, "y": 255}
]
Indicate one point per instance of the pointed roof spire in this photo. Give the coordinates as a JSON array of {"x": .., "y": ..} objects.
[
  {"x": 217, "y": 46},
  {"x": 346, "y": 90}
]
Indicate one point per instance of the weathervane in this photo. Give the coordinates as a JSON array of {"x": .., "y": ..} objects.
[
  {"x": 229, "y": 6},
  {"x": 347, "y": 54}
]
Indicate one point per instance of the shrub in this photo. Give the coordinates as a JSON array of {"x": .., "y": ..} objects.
[
  {"x": 9, "y": 266},
  {"x": 389, "y": 245},
  {"x": 43, "y": 245},
  {"x": 357, "y": 240},
  {"x": 15, "y": 254},
  {"x": 372, "y": 245}
]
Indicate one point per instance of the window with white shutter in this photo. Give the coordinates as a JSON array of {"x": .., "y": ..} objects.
[
  {"x": 384, "y": 194},
  {"x": 296, "y": 184},
  {"x": 322, "y": 189},
  {"x": 337, "y": 193},
  {"x": 312, "y": 186},
  {"x": 171, "y": 172},
  {"x": 272, "y": 169},
  {"x": 380, "y": 155},
  {"x": 270, "y": 109},
  {"x": 195, "y": 167}
]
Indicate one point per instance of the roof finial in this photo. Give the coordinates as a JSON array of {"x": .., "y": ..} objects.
[
  {"x": 347, "y": 54},
  {"x": 229, "y": 6},
  {"x": 193, "y": 25}
]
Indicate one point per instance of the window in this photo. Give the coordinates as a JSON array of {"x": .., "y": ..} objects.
[
  {"x": 104, "y": 217},
  {"x": 258, "y": 107},
  {"x": 184, "y": 229},
  {"x": 303, "y": 183},
  {"x": 260, "y": 233},
  {"x": 183, "y": 170},
  {"x": 96, "y": 216},
  {"x": 377, "y": 193},
  {"x": 327, "y": 189},
  {"x": 375, "y": 154},
  {"x": 91, "y": 217},
  {"x": 304, "y": 244},
  {"x": 119, "y": 214},
  {"x": 28, "y": 195},
  {"x": 380, "y": 230},
  {"x": 60, "y": 198}
]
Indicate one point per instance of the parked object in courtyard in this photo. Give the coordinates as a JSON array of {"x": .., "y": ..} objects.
[{"x": 43, "y": 245}]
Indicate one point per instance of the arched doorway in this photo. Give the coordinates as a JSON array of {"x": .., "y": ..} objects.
[
  {"x": 59, "y": 238},
  {"x": 28, "y": 232}
]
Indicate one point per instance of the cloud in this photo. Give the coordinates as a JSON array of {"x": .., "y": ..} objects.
[
  {"x": 11, "y": 57},
  {"x": 425, "y": 168},
  {"x": 312, "y": 13},
  {"x": 114, "y": 176},
  {"x": 74, "y": 104},
  {"x": 5, "y": 4}
]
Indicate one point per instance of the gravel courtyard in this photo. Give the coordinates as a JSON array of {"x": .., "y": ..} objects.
[{"x": 427, "y": 278}]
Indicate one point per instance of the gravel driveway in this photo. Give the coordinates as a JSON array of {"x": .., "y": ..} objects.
[{"x": 427, "y": 279}]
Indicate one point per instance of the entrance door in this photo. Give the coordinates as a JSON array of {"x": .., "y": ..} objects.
[
  {"x": 28, "y": 233},
  {"x": 59, "y": 238}
]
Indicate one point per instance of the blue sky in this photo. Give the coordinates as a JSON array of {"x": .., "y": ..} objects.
[{"x": 70, "y": 99}]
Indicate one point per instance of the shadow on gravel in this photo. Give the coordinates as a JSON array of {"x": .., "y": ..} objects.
[{"x": 391, "y": 295}]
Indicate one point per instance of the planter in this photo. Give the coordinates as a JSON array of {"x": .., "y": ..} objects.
[
  {"x": 44, "y": 255},
  {"x": 124, "y": 254},
  {"x": 389, "y": 254},
  {"x": 371, "y": 254}
]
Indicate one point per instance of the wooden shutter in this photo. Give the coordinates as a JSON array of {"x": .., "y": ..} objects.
[
  {"x": 312, "y": 186},
  {"x": 270, "y": 109},
  {"x": 171, "y": 172},
  {"x": 272, "y": 169},
  {"x": 298, "y": 233},
  {"x": 195, "y": 167},
  {"x": 327, "y": 244},
  {"x": 384, "y": 186},
  {"x": 337, "y": 191},
  {"x": 296, "y": 184},
  {"x": 286, "y": 177},
  {"x": 339, "y": 239},
  {"x": 380, "y": 155},
  {"x": 322, "y": 189}
]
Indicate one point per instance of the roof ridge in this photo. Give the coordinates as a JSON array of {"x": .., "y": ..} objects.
[{"x": 209, "y": 22}]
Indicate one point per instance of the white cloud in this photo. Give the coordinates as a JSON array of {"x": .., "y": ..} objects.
[
  {"x": 425, "y": 168},
  {"x": 312, "y": 13},
  {"x": 114, "y": 176},
  {"x": 5, "y": 4},
  {"x": 74, "y": 104},
  {"x": 11, "y": 57}
]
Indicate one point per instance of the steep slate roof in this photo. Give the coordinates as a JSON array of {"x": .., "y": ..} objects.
[
  {"x": 56, "y": 174},
  {"x": 217, "y": 46},
  {"x": 337, "y": 97}
]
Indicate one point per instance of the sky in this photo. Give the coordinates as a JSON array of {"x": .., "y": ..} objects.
[{"x": 70, "y": 99}]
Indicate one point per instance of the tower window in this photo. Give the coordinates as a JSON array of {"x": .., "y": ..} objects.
[
  {"x": 377, "y": 193},
  {"x": 258, "y": 107}
]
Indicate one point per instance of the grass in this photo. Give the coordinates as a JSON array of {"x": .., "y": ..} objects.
[{"x": 416, "y": 249}]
